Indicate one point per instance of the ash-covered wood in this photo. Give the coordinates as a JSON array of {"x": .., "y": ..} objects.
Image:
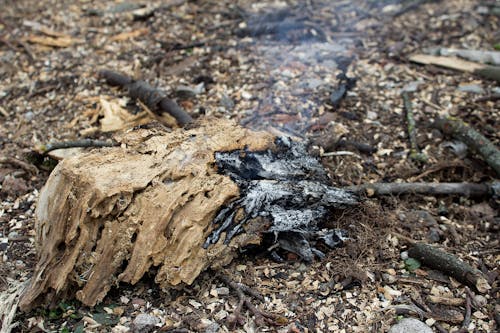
[{"x": 284, "y": 185}]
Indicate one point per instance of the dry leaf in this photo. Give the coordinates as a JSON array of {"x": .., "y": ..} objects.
[{"x": 117, "y": 118}]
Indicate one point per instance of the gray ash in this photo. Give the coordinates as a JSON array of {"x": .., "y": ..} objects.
[{"x": 286, "y": 186}]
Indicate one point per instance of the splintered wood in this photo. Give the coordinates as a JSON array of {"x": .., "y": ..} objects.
[{"x": 109, "y": 215}]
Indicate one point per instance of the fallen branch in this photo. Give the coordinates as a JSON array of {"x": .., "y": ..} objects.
[
  {"x": 465, "y": 189},
  {"x": 449, "y": 264},
  {"x": 155, "y": 99},
  {"x": 486, "y": 71},
  {"x": 415, "y": 153},
  {"x": 473, "y": 139}
]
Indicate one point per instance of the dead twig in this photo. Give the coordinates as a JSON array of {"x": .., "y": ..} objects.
[
  {"x": 465, "y": 189},
  {"x": 468, "y": 311},
  {"x": 438, "y": 167},
  {"x": 85, "y": 143},
  {"x": 473, "y": 139},
  {"x": 415, "y": 153},
  {"x": 21, "y": 164},
  {"x": 155, "y": 99},
  {"x": 261, "y": 317},
  {"x": 447, "y": 263}
]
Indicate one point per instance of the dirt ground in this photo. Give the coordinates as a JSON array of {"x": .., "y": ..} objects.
[{"x": 276, "y": 66}]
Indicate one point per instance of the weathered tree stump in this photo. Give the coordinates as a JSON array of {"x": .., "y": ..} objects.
[{"x": 164, "y": 200}]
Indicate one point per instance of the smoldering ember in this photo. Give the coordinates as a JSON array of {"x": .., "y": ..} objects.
[{"x": 237, "y": 166}]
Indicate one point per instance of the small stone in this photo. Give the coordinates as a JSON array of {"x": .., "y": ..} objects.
[
  {"x": 124, "y": 299},
  {"x": 13, "y": 234},
  {"x": 29, "y": 116},
  {"x": 144, "y": 321},
  {"x": 246, "y": 95},
  {"x": 479, "y": 301},
  {"x": 222, "y": 291},
  {"x": 410, "y": 325}
]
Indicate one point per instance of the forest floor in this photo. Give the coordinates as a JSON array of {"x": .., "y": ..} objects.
[{"x": 276, "y": 66}]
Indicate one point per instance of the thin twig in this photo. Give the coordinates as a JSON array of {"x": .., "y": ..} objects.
[
  {"x": 468, "y": 312},
  {"x": 438, "y": 167},
  {"x": 85, "y": 143}
]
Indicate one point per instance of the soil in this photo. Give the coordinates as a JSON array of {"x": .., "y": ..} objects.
[{"x": 329, "y": 72}]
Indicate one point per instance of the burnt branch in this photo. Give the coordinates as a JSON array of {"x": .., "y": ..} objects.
[
  {"x": 85, "y": 143},
  {"x": 155, "y": 99}
]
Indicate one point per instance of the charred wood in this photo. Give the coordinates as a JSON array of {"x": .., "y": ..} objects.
[{"x": 287, "y": 187}]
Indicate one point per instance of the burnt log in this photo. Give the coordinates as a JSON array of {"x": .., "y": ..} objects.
[{"x": 181, "y": 201}]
